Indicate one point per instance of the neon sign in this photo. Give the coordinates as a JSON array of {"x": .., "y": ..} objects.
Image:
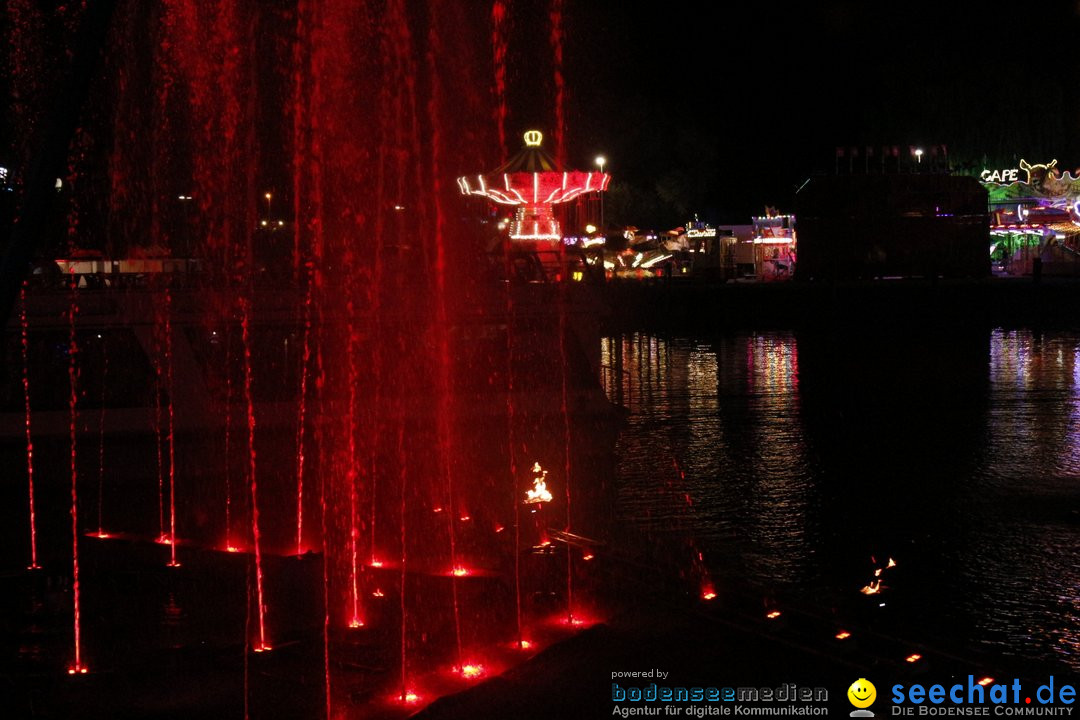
[{"x": 1000, "y": 176}]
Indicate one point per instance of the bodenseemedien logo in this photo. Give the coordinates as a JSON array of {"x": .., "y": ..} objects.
[{"x": 862, "y": 694}]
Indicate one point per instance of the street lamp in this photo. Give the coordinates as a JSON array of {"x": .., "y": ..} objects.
[
  {"x": 269, "y": 214},
  {"x": 601, "y": 161},
  {"x": 918, "y": 155}
]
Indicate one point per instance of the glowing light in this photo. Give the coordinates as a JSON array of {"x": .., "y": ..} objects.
[
  {"x": 460, "y": 572},
  {"x": 376, "y": 563},
  {"x": 262, "y": 647},
  {"x": 523, "y": 644},
  {"x": 709, "y": 594},
  {"x": 872, "y": 589},
  {"x": 601, "y": 161},
  {"x": 100, "y": 535},
  {"x": 465, "y": 518},
  {"x": 173, "y": 563},
  {"x": 892, "y": 563},
  {"x": 163, "y": 539},
  {"x": 587, "y": 557},
  {"x": 377, "y": 593},
  {"x": 356, "y": 623},
  {"x": 408, "y": 697},
  {"x": 77, "y": 669},
  {"x": 590, "y": 229},
  {"x": 263, "y": 223},
  {"x": 533, "y": 138},
  {"x": 774, "y": 614},
  {"x": 913, "y": 658},
  {"x": 843, "y": 635},
  {"x": 470, "y": 671},
  {"x": 986, "y": 681},
  {"x": 267, "y": 196},
  {"x": 539, "y": 492},
  {"x": 231, "y": 548}
]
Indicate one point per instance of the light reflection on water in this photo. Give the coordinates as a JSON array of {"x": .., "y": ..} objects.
[{"x": 804, "y": 455}]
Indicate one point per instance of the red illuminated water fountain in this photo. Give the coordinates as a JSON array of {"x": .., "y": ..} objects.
[{"x": 534, "y": 183}]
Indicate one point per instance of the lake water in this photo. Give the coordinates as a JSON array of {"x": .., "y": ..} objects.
[{"x": 810, "y": 459}]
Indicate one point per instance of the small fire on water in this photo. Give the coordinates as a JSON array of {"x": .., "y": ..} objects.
[
  {"x": 163, "y": 539},
  {"x": 459, "y": 572},
  {"x": 708, "y": 593},
  {"x": 913, "y": 657},
  {"x": 376, "y": 563},
  {"x": 408, "y": 697},
  {"x": 77, "y": 669},
  {"x": 539, "y": 492},
  {"x": 872, "y": 589},
  {"x": 843, "y": 635},
  {"x": 356, "y": 623},
  {"x": 262, "y": 647},
  {"x": 774, "y": 614}
]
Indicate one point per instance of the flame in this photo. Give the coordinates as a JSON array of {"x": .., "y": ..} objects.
[
  {"x": 539, "y": 492},
  {"x": 986, "y": 681},
  {"x": 231, "y": 548},
  {"x": 708, "y": 594},
  {"x": 410, "y": 697},
  {"x": 872, "y": 589},
  {"x": 774, "y": 614},
  {"x": 263, "y": 647},
  {"x": 376, "y": 563},
  {"x": 356, "y": 623},
  {"x": 163, "y": 539},
  {"x": 377, "y": 593},
  {"x": 587, "y": 556},
  {"x": 77, "y": 669},
  {"x": 459, "y": 572},
  {"x": 892, "y": 563},
  {"x": 913, "y": 657},
  {"x": 843, "y": 635}
]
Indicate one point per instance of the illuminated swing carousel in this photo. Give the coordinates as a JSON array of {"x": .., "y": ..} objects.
[{"x": 534, "y": 183}]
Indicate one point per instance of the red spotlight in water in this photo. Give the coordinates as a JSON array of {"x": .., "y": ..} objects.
[
  {"x": 470, "y": 671},
  {"x": 407, "y": 697}
]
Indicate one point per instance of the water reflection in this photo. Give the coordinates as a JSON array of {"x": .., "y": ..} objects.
[{"x": 958, "y": 452}]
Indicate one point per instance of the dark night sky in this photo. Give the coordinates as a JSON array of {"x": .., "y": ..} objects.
[{"x": 737, "y": 104}]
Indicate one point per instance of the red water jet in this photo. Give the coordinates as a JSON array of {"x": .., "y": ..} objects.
[
  {"x": 261, "y": 645},
  {"x": 25, "y": 345}
]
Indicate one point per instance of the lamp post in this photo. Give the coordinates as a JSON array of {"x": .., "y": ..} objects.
[
  {"x": 269, "y": 214},
  {"x": 918, "y": 155},
  {"x": 601, "y": 161}
]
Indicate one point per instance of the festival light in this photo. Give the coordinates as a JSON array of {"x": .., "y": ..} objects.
[{"x": 533, "y": 183}]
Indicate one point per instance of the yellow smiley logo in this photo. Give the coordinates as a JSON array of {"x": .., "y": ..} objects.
[{"x": 862, "y": 693}]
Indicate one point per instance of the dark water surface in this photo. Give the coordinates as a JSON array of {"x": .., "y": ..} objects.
[{"x": 809, "y": 459}]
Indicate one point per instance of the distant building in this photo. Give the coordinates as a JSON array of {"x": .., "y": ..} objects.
[{"x": 906, "y": 225}]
